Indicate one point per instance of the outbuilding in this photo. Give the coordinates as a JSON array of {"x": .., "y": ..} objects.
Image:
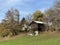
[{"x": 37, "y": 26}]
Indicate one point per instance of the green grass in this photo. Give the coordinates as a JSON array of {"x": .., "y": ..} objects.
[{"x": 33, "y": 40}]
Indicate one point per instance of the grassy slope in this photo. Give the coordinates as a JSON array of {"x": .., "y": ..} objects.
[{"x": 42, "y": 39}]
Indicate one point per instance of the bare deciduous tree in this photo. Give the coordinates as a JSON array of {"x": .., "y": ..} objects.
[
  {"x": 12, "y": 16},
  {"x": 53, "y": 14},
  {"x": 29, "y": 18}
]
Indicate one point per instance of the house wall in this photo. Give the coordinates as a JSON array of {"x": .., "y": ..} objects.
[
  {"x": 41, "y": 27},
  {"x": 37, "y": 27},
  {"x": 34, "y": 26}
]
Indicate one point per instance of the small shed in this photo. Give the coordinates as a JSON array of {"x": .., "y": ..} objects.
[{"x": 38, "y": 26}]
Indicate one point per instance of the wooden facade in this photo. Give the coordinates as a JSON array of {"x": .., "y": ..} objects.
[{"x": 37, "y": 26}]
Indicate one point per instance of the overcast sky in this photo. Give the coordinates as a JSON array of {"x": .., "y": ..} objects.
[{"x": 24, "y": 6}]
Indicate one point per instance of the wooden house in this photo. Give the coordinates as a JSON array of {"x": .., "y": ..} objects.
[{"x": 37, "y": 26}]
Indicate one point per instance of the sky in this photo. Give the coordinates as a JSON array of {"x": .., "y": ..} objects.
[{"x": 25, "y": 7}]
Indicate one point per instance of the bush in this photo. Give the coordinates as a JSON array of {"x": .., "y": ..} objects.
[{"x": 4, "y": 32}]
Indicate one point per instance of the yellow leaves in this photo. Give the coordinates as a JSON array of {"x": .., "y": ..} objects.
[{"x": 37, "y": 16}]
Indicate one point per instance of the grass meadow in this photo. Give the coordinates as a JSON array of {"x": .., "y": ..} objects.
[{"x": 51, "y": 38}]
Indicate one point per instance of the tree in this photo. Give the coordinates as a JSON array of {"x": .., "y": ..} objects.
[
  {"x": 12, "y": 17},
  {"x": 53, "y": 14},
  {"x": 16, "y": 15},
  {"x": 23, "y": 24},
  {"x": 4, "y": 29},
  {"x": 23, "y": 21},
  {"x": 37, "y": 16},
  {"x": 28, "y": 18}
]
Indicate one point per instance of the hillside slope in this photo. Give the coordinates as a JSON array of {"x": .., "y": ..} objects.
[{"x": 42, "y": 39}]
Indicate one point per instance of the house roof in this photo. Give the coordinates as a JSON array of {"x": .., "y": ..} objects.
[{"x": 38, "y": 22}]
